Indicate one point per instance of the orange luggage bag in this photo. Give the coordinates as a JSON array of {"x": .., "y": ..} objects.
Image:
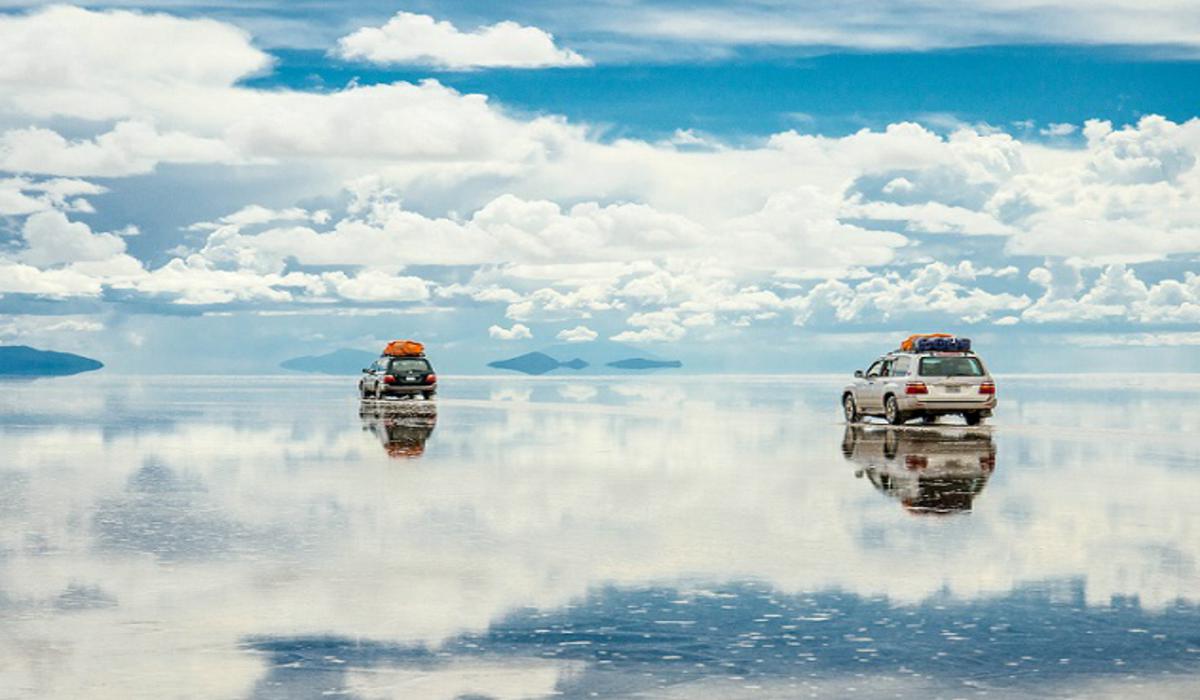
[{"x": 404, "y": 348}]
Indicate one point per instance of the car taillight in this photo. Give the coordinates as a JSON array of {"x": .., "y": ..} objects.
[
  {"x": 431, "y": 378},
  {"x": 389, "y": 379},
  {"x": 916, "y": 388},
  {"x": 987, "y": 388}
]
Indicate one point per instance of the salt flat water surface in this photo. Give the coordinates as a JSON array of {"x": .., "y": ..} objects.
[{"x": 639, "y": 536}]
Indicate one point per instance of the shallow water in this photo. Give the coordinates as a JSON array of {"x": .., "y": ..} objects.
[{"x": 665, "y": 537}]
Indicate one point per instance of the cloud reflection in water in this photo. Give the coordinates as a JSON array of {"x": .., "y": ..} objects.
[{"x": 245, "y": 519}]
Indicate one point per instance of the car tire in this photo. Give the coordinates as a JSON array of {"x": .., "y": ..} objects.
[
  {"x": 891, "y": 410},
  {"x": 973, "y": 418},
  {"x": 428, "y": 395},
  {"x": 378, "y": 393},
  {"x": 891, "y": 444},
  {"x": 850, "y": 408}
]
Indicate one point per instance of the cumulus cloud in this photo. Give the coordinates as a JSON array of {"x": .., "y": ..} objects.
[
  {"x": 1117, "y": 293},
  {"x": 20, "y": 196},
  {"x": 652, "y": 327},
  {"x": 409, "y": 38},
  {"x": 578, "y": 334},
  {"x": 103, "y": 65},
  {"x": 374, "y": 285},
  {"x": 540, "y": 218},
  {"x": 936, "y": 288},
  {"x": 519, "y": 331},
  {"x": 130, "y": 148},
  {"x": 52, "y": 239}
]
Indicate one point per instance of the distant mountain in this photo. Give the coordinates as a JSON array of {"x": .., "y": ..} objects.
[
  {"x": 643, "y": 363},
  {"x": 592, "y": 356},
  {"x": 598, "y": 352},
  {"x": 24, "y": 361},
  {"x": 536, "y": 363},
  {"x": 344, "y": 361}
]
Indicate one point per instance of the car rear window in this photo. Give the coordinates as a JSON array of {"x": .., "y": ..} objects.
[
  {"x": 410, "y": 364},
  {"x": 951, "y": 367}
]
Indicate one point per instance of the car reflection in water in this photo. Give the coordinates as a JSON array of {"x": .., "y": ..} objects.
[
  {"x": 402, "y": 426},
  {"x": 936, "y": 471}
]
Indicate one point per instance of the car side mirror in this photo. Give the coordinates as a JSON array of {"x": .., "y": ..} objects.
[{"x": 858, "y": 374}]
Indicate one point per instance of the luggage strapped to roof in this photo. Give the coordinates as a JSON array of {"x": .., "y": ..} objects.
[
  {"x": 935, "y": 342},
  {"x": 404, "y": 348}
]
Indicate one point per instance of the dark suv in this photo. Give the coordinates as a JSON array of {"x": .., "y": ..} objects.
[{"x": 398, "y": 376}]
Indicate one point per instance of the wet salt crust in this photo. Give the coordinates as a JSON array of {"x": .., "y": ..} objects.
[{"x": 226, "y": 537}]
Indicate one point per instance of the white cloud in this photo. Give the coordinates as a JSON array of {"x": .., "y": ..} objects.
[
  {"x": 194, "y": 280},
  {"x": 131, "y": 148},
  {"x": 1116, "y": 294},
  {"x": 16, "y": 278},
  {"x": 52, "y": 239},
  {"x": 27, "y": 329},
  {"x": 1171, "y": 339},
  {"x": 519, "y": 331},
  {"x": 106, "y": 65},
  {"x": 578, "y": 334},
  {"x": 20, "y": 196},
  {"x": 1059, "y": 130},
  {"x": 653, "y": 327},
  {"x": 548, "y": 304},
  {"x": 936, "y": 288},
  {"x": 373, "y": 285},
  {"x": 540, "y": 215},
  {"x": 420, "y": 39},
  {"x": 914, "y": 24}
]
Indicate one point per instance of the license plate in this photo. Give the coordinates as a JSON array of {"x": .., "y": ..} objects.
[{"x": 953, "y": 389}]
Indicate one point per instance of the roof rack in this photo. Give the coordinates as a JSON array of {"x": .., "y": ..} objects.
[{"x": 935, "y": 342}]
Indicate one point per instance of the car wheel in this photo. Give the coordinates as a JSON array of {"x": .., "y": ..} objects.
[
  {"x": 378, "y": 393},
  {"x": 891, "y": 410},
  {"x": 362, "y": 391},
  {"x": 973, "y": 418},
  {"x": 891, "y": 444},
  {"x": 850, "y": 408},
  {"x": 428, "y": 395}
]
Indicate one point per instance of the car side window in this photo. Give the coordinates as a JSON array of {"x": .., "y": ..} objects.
[
  {"x": 887, "y": 369},
  {"x": 900, "y": 367},
  {"x": 875, "y": 369},
  {"x": 379, "y": 366}
]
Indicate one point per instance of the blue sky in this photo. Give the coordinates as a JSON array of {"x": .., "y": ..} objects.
[{"x": 227, "y": 185}]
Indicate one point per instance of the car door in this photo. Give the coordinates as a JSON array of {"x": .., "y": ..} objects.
[
  {"x": 871, "y": 393},
  {"x": 375, "y": 376}
]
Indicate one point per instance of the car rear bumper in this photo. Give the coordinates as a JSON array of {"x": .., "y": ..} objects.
[
  {"x": 408, "y": 389},
  {"x": 912, "y": 404}
]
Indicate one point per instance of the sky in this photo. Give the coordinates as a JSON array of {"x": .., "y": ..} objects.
[{"x": 750, "y": 187}]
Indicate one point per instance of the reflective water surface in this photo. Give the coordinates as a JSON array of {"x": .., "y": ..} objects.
[{"x": 665, "y": 537}]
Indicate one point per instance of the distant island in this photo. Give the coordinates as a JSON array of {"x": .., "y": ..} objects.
[
  {"x": 643, "y": 363},
  {"x": 24, "y": 361},
  {"x": 344, "y": 361},
  {"x": 536, "y": 363},
  {"x": 593, "y": 356}
]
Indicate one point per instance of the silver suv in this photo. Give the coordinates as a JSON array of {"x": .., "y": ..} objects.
[{"x": 903, "y": 385}]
